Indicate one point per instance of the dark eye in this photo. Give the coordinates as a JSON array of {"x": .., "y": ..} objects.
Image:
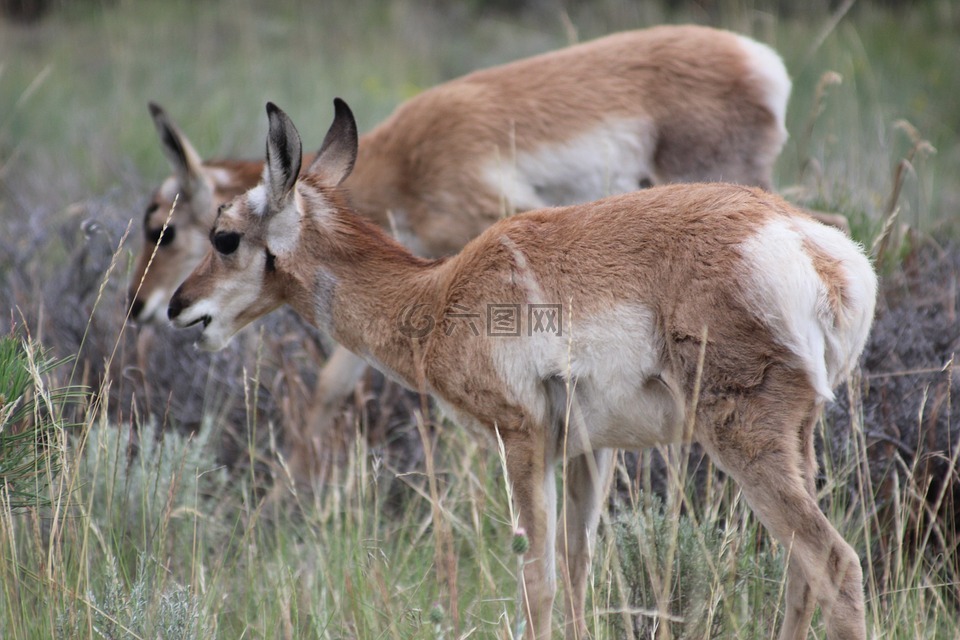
[
  {"x": 226, "y": 242},
  {"x": 160, "y": 236}
]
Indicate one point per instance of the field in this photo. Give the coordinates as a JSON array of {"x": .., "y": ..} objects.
[{"x": 141, "y": 515}]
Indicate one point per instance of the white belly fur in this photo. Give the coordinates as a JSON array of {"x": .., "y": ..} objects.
[{"x": 618, "y": 400}]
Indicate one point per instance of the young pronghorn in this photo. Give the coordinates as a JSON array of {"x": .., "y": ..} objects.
[
  {"x": 668, "y": 104},
  {"x": 710, "y": 312}
]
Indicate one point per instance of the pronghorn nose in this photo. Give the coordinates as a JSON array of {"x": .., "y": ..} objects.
[
  {"x": 176, "y": 306},
  {"x": 136, "y": 308}
]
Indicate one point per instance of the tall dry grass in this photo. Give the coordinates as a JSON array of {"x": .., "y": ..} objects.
[{"x": 146, "y": 533}]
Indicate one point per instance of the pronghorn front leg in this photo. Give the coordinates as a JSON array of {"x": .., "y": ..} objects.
[
  {"x": 532, "y": 478},
  {"x": 318, "y": 446},
  {"x": 585, "y": 485}
]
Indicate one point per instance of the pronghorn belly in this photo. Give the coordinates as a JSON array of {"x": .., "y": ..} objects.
[
  {"x": 601, "y": 381},
  {"x": 603, "y": 417},
  {"x": 621, "y": 393},
  {"x": 614, "y": 157}
]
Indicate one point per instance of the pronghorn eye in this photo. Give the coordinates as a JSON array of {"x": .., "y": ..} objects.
[
  {"x": 226, "y": 242},
  {"x": 160, "y": 236}
]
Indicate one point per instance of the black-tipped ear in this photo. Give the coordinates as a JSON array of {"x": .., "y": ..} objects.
[
  {"x": 183, "y": 158},
  {"x": 284, "y": 155},
  {"x": 337, "y": 155}
]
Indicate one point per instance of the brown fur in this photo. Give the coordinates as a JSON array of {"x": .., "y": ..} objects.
[
  {"x": 692, "y": 84},
  {"x": 421, "y": 169},
  {"x": 676, "y": 252},
  {"x": 831, "y": 272}
]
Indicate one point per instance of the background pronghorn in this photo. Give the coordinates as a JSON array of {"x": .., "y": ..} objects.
[
  {"x": 662, "y": 105},
  {"x": 714, "y": 313}
]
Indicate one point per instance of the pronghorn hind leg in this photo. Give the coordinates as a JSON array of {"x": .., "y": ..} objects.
[
  {"x": 585, "y": 486},
  {"x": 800, "y": 602},
  {"x": 764, "y": 446},
  {"x": 821, "y": 561}
]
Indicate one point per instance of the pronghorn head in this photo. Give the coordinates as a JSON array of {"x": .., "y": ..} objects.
[
  {"x": 257, "y": 239},
  {"x": 186, "y": 203}
]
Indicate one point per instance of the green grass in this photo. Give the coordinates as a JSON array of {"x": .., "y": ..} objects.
[
  {"x": 150, "y": 537},
  {"x": 32, "y": 422},
  {"x": 145, "y": 535},
  {"x": 167, "y": 540}
]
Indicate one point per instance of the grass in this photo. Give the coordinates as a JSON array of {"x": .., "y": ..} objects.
[
  {"x": 149, "y": 536},
  {"x": 143, "y": 533},
  {"x": 162, "y": 544},
  {"x": 32, "y": 422}
]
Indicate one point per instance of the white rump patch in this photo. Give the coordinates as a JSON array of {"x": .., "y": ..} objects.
[
  {"x": 789, "y": 295},
  {"x": 853, "y": 323},
  {"x": 610, "y": 159},
  {"x": 770, "y": 75}
]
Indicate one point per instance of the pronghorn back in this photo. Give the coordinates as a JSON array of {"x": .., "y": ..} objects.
[
  {"x": 670, "y": 262},
  {"x": 630, "y": 110},
  {"x": 634, "y": 109}
]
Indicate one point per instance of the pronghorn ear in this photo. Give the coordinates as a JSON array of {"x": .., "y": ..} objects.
[
  {"x": 284, "y": 155},
  {"x": 186, "y": 162},
  {"x": 336, "y": 157}
]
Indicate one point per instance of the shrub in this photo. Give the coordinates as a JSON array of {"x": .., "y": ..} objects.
[{"x": 31, "y": 422}]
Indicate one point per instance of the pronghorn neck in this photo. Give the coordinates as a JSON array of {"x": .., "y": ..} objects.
[{"x": 353, "y": 280}]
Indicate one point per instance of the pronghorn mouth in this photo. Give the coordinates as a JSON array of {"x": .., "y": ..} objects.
[{"x": 205, "y": 319}]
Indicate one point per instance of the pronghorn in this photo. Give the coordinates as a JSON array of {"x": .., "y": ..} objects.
[
  {"x": 667, "y": 104},
  {"x": 185, "y": 203},
  {"x": 713, "y": 313}
]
